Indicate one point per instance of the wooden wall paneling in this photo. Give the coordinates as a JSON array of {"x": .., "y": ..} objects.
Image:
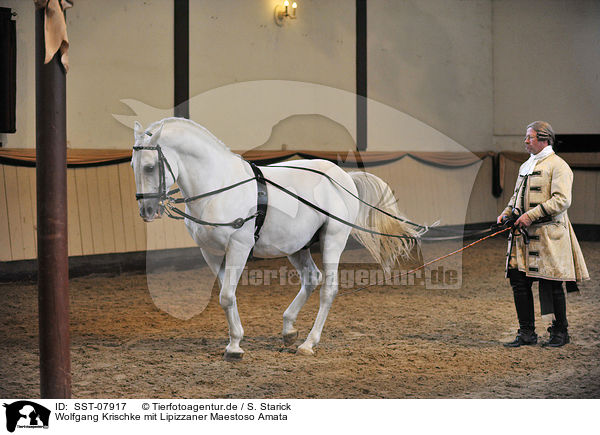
[
  {"x": 83, "y": 205},
  {"x": 395, "y": 175},
  {"x": 95, "y": 211},
  {"x": 452, "y": 205},
  {"x": 106, "y": 215},
  {"x": 114, "y": 193},
  {"x": 170, "y": 229},
  {"x": 482, "y": 205},
  {"x": 405, "y": 190},
  {"x": 141, "y": 229},
  {"x": 426, "y": 192},
  {"x": 74, "y": 229},
  {"x": 186, "y": 237},
  {"x": 167, "y": 230},
  {"x": 126, "y": 208},
  {"x": 130, "y": 207},
  {"x": 103, "y": 213},
  {"x": 28, "y": 220},
  {"x": 155, "y": 235},
  {"x": 14, "y": 213},
  {"x": 160, "y": 228},
  {"x": 5, "y": 242},
  {"x": 401, "y": 186}
]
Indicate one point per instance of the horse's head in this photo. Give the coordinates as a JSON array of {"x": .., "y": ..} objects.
[{"x": 152, "y": 176}]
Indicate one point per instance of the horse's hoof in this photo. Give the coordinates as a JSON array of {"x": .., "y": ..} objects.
[
  {"x": 305, "y": 351},
  {"x": 233, "y": 356},
  {"x": 290, "y": 338}
]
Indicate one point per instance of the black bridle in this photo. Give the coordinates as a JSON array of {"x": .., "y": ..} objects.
[
  {"x": 167, "y": 202},
  {"x": 162, "y": 193}
]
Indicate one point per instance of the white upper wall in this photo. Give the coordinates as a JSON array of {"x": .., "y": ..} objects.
[
  {"x": 546, "y": 67},
  {"x": 238, "y": 41},
  {"x": 432, "y": 60},
  {"x": 466, "y": 70},
  {"x": 118, "y": 50}
]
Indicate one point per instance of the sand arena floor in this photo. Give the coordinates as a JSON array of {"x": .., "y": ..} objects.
[{"x": 387, "y": 342}]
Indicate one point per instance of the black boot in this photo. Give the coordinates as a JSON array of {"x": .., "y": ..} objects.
[
  {"x": 558, "y": 331},
  {"x": 523, "y": 338},
  {"x": 523, "y": 296},
  {"x": 558, "y": 335}
]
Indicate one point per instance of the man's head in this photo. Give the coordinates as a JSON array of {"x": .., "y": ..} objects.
[{"x": 539, "y": 135}]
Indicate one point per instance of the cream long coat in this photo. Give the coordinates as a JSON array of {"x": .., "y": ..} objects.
[{"x": 553, "y": 252}]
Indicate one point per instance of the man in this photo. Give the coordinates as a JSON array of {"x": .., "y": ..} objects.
[{"x": 543, "y": 247}]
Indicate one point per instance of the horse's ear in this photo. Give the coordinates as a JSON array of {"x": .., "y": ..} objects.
[
  {"x": 156, "y": 135},
  {"x": 138, "y": 131}
]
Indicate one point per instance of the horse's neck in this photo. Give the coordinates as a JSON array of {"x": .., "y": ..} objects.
[{"x": 206, "y": 168}]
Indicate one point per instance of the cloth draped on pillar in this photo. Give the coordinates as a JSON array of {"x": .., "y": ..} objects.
[{"x": 55, "y": 29}]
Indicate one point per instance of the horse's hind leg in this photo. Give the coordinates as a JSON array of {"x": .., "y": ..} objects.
[
  {"x": 333, "y": 245},
  {"x": 310, "y": 276}
]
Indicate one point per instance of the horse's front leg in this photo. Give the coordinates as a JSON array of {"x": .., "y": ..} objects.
[{"x": 235, "y": 260}]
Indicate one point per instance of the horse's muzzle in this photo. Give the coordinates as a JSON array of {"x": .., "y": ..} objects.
[{"x": 150, "y": 210}]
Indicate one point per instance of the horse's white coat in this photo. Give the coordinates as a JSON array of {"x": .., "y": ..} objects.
[{"x": 201, "y": 163}]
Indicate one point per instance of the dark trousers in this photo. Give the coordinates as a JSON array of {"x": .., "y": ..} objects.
[{"x": 521, "y": 285}]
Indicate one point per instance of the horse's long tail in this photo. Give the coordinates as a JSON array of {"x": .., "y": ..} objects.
[{"x": 385, "y": 250}]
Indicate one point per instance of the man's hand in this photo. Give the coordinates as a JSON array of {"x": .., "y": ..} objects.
[
  {"x": 500, "y": 219},
  {"x": 524, "y": 221}
]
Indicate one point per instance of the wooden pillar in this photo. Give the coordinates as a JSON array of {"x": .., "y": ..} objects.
[
  {"x": 181, "y": 28},
  {"x": 51, "y": 175},
  {"x": 361, "y": 75}
]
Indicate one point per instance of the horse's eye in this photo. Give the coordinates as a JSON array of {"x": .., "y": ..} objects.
[{"x": 149, "y": 168}]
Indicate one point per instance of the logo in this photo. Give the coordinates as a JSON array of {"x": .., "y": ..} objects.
[{"x": 26, "y": 414}]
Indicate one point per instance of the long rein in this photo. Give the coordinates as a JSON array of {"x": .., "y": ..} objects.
[{"x": 167, "y": 201}]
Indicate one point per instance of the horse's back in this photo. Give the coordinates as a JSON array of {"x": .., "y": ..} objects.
[
  {"x": 309, "y": 182},
  {"x": 305, "y": 175},
  {"x": 291, "y": 224}
]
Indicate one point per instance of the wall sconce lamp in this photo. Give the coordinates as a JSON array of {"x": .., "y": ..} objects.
[{"x": 284, "y": 11}]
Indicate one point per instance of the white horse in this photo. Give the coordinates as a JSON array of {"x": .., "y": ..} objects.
[{"x": 199, "y": 163}]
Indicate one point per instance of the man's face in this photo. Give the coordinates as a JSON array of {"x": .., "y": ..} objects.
[{"x": 532, "y": 144}]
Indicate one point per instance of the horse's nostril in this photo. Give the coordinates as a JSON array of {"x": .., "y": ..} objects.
[{"x": 148, "y": 210}]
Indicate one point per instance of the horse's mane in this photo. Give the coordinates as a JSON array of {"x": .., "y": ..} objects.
[{"x": 200, "y": 129}]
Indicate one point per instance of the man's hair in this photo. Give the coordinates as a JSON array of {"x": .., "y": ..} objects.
[{"x": 544, "y": 131}]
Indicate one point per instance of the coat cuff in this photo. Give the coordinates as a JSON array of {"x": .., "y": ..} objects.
[{"x": 536, "y": 213}]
